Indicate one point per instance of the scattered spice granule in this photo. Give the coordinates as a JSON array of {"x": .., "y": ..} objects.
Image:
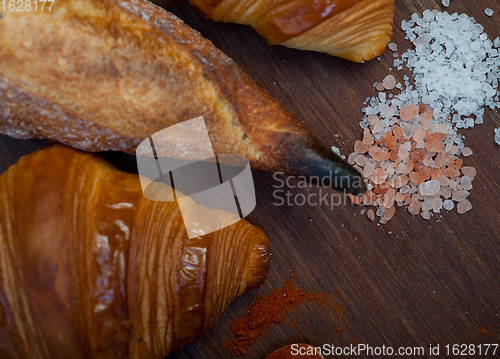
[
  {"x": 412, "y": 163},
  {"x": 268, "y": 310}
]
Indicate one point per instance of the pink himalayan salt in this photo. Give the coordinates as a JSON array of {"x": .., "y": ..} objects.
[
  {"x": 371, "y": 214},
  {"x": 409, "y": 112},
  {"x": 389, "y": 82},
  {"x": 469, "y": 172},
  {"x": 463, "y": 206},
  {"x": 419, "y": 135},
  {"x": 368, "y": 170},
  {"x": 360, "y": 147},
  {"x": 389, "y": 213},
  {"x": 379, "y": 176},
  {"x": 466, "y": 151},
  {"x": 379, "y": 154},
  {"x": 367, "y": 137}
]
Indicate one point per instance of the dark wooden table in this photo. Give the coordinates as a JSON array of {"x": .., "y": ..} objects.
[{"x": 410, "y": 282}]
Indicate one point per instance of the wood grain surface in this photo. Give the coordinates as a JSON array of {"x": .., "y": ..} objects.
[{"x": 410, "y": 282}]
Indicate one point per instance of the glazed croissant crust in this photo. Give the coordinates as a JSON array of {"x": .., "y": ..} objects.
[
  {"x": 89, "y": 268},
  {"x": 357, "y": 30}
]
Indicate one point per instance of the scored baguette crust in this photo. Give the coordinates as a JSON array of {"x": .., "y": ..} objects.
[{"x": 104, "y": 75}]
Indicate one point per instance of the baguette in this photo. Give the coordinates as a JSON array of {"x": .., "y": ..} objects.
[{"x": 104, "y": 75}]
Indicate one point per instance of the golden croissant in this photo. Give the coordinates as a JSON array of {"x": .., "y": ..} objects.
[
  {"x": 89, "y": 268},
  {"x": 356, "y": 30},
  {"x": 104, "y": 75}
]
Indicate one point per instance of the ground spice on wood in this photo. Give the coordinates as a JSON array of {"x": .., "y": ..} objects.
[{"x": 267, "y": 310}]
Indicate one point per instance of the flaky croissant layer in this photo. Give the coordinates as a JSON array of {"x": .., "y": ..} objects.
[
  {"x": 356, "y": 30},
  {"x": 89, "y": 268}
]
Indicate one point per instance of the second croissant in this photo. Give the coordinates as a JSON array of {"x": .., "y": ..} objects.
[{"x": 356, "y": 30}]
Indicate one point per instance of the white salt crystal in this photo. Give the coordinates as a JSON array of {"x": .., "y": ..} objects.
[
  {"x": 466, "y": 183},
  {"x": 497, "y": 42},
  {"x": 429, "y": 188},
  {"x": 448, "y": 205},
  {"x": 336, "y": 150},
  {"x": 446, "y": 3},
  {"x": 497, "y": 135},
  {"x": 488, "y": 11}
]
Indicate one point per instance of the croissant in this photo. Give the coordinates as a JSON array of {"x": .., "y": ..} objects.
[
  {"x": 89, "y": 268},
  {"x": 356, "y": 30},
  {"x": 104, "y": 75}
]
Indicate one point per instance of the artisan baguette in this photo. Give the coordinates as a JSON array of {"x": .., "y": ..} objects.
[{"x": 104, "y": 75}]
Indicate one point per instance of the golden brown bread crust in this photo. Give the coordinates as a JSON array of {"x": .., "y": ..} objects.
[
  {"x": 89, "y": 268},
  {"x": 106, "y": 74},
  {"x": 356, "y": 30}
]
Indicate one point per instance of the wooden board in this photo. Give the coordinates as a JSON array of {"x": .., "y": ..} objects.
[{"x": 411, "y": 282}]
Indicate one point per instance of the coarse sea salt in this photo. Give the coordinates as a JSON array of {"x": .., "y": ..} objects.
[{"x": 411, "y": 146}]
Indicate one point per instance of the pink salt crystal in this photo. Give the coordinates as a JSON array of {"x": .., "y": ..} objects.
[
  {"x": 466, "y": 151},
  {"x": 436, "y": 174},
  {"x": 458, "y": 163},
  {"x": 454, "y": 150},
  {"x": 399, "y": 197},
  {"x": 400, "y": 168},
  {"x": 361, "y": 160},
  {"x": 368, "y": 170},
  {"x": 420, "y": 145},
  {"x": 401, "y": 181},
  {"x": 433, "y": 145},
  {"x": 437, "y": 204},
  {"x": 379, "y": 176},
  {"x": 414, "y": 207},
  {"x": 398, "y": 131},
  {"x": 393, "y": 47},
  {"x": 445, "y": 192},
  {"x": 389, "y": 213},
  {"x": 425, "y": 215},
  {"x": 380, "y": 87},
  {"x": 367, "y": 137},
  {"x": 463, "y": 206},
  {"x": 426, "y": 118},
  {"x": 459, "y": 195},
  {"x": 371, "y": 214},
  {"x": 352, "y": 157},
  {"x": 409, "y": 112},
  {"x": 379, "y": 154},
  {"x": 417, "y": 177},
  {"x": 419, "y": 135},
  {"x": 440, "y": 160},
  {"x": 389, "y": 82},
  {"x": 451, "y": 172},
  {"x": 418, "y": 155},
  {"x": 422, "y": 107},
  {"x": 469, "y": 172},
  {"x": 442, "y": 128},
  {"x": 360, "y": 147},
  {"x": 373, "y": 119},
  {"x": 379, "y": 126},
  {"x": 403, "y": 152},
  {"x": 389, "y": 198},
  {"x": 445, "y": 181}
]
